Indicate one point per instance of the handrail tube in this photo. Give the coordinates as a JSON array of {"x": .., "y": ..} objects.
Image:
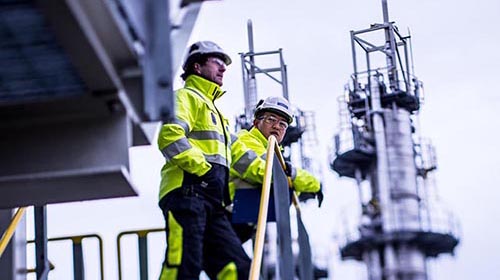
[
  {"x": 78, "y": 264},
  {"x": 263, "y": 209},
  {"x": 141, "y": 234},
  {"x": 9, "y": 232}
]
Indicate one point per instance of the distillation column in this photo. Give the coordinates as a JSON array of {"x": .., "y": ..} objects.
[{"x": 395, "y": 235}]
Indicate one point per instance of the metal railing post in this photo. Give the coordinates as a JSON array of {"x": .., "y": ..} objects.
[
  {"x": 78, "y": 266},
  {"x": 42, "y": 262},
  {"x": 142, "y": 239}
]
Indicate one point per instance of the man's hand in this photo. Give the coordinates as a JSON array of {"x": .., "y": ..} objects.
[
  {"x": 288, "y": 168},
  {"x": 319, "y": 197}
]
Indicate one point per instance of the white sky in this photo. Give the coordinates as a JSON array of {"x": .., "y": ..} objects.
[{"x": 456, "y": 54}]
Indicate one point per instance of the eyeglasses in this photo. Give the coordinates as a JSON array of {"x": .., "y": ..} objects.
[
  {"x": 217, "y": 61},
  {"x": 272, "y": 121}
]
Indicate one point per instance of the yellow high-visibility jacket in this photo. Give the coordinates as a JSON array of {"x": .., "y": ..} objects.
[
  {"x": 198, "y": 137},
  {"x": 248, "y": 152}
]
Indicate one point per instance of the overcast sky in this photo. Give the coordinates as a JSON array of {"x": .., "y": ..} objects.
[{"x": 456, "y": 54}]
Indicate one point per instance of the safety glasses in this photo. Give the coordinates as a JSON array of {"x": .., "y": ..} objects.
[
  {"x": 273, "y": 120},
  {"x": 219, "y": 62}
]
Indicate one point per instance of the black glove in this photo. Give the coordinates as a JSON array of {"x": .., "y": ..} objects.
[
  {"x": 319, "y": 197},
  {"x": 288, "y": 169}
]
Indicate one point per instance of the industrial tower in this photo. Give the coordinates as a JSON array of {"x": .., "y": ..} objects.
[{"x": 378, "y": 145}]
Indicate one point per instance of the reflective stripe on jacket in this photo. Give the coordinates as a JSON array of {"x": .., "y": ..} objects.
[
  {"x": 248, "y": 153},
  {"x": 198, "y": 137}
]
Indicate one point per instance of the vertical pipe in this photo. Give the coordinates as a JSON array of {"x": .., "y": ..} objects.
[
  {"x": 390, "y": 47},
  {"x": 408, "y": 74},
  {"x": 284, "y": 77},
  {"x": 390, "y": 271},
  {"x": 372, "y": 261},
  {"x": 246, "y": 93},
  {"x": 391, "y": 59},
  {"x": 251, "y": 82},
  {"x": 355, "y": 66},
  {"x": 250, "y": 47},
  {"x": 382, "y": 174},
  {"x": 158, "y": 93},
  {"x": 357, "y": 175},
  {"x": 385, "y": 11},
  {"x": 42, "y": 262}
]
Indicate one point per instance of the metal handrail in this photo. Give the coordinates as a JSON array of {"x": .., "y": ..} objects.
[
  {"x": 9, "y": 232},
  {"x": 78, "y": 265},
  {"x": 142, "y": 240}
]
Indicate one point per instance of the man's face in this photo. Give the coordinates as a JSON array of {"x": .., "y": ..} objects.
[
  {"x": 271, "y": 124},
  {"x": 213, "y": 70}
]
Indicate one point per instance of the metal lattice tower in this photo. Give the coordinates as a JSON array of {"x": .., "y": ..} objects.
[
  {"x": 249, "y": 71},
  {"x": 379, "y": 147}
]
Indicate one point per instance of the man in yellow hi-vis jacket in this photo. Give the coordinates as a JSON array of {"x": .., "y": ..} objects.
[
  {"x": 194, "y": 179},
  {"x": 248, "y": 150}
]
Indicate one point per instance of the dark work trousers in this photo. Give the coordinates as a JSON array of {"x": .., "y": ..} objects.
[
  {"x": 208, "y": 240},
  {"x": 244, "y": 231}
]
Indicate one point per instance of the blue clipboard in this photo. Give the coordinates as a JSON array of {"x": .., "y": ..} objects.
[{"x": 246, "y": 204}]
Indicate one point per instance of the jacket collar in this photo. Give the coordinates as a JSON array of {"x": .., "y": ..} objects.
[
  {"x": 210, "y": 89},
  {"x": 262, "y": 139},
  {"x": 258, "y": 135}
]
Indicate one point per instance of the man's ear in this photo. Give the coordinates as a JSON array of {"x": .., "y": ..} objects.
[
  {"x": 255, "y": 121},
  {"x": 196, "y": 68}
]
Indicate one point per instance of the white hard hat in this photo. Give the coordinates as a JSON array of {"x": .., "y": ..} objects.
[
  {"x": 275, "y": 104},
  {"x": 205, "y": 47}
]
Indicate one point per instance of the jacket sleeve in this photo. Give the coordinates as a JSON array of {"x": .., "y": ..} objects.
[
  {"x": 172, "y": 140},
  {"x": 305, "y": 182},
  {"x": 248, "y": 163}
]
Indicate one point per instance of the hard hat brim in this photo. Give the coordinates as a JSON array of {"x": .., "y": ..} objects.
[{"x": 280, "y": 113}]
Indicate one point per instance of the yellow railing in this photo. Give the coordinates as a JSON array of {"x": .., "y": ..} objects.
[{"x": 9, "y": 232}]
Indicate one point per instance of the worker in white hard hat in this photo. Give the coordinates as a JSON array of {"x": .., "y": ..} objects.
[
  {"x": 194, "y": 180},
  {"x": 272, "y": 116}
]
